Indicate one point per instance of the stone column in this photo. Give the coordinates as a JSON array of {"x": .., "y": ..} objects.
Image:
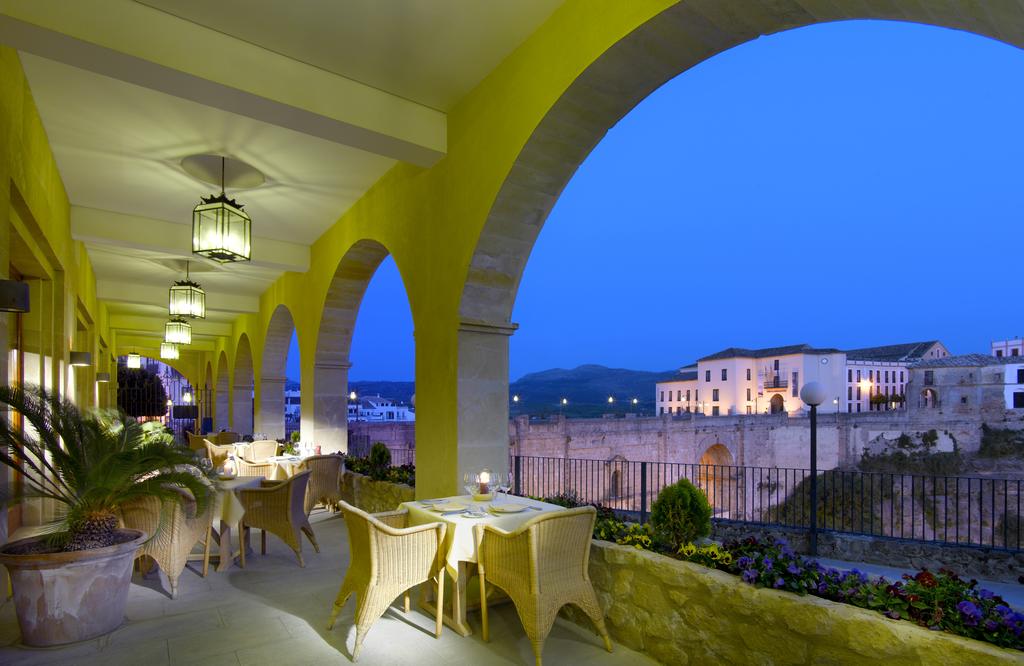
[
  {"x": 483, "y": 439},
  {"x": 330, "y": 407},
  {"x": 270, "y": 408},
  {"x": 241, "y": 410}
]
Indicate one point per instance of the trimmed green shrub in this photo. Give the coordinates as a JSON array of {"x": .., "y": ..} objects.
[
  {"x": 681, "y": 514},
  {"x": 295, "y": 436},
  {"x": 380, "y": 461}
]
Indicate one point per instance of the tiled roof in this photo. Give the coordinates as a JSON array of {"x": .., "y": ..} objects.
[
  {"x": 908, "y": 351},
  {"x": 967, "y": 361},
  {"x": 687, "y": 376},
  {"x": 740, "y": 352}
]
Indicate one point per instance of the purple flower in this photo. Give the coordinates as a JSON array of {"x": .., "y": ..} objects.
[
  {"x": 970, "y": 612},
  {"x": 892, "y": 614},
  {"x": 793, "y": 568},
  {"x": 991, "y": 625},
  {"x": 767, "y": 563},
  {"x": 749, "y": 576},
  {"x": 986, "y": 594},
  {"x": 778, "y": 583},
  {"x": 744, "y": 562},
  {"x": 822, "y": 587},
  {"x": 1002, "y": 610}
]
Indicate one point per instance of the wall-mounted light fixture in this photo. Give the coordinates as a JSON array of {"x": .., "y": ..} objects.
[
  {"x": 13, "y": 296},
  {"x": 102, "y": 377},
  {"x": 81, "y": 359}
]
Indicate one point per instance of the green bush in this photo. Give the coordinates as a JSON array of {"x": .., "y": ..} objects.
[
  {"x": 295, "y": 437},
  {"x": 380, "y": 461},
  {"x": 1001, "y": 442},
  {"x": 681, "y": 514}
]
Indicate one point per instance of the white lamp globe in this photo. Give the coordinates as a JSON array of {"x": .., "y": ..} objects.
[{"x": 813, "y": 393}]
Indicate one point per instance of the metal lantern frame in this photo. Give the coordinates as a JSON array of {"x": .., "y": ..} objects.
[
  {"x": 178, "y": 331},
  {"x": 221, "y": 230},
  {"x": 186, "y": 298},
  {"x": 169, "y": 351},
  {"x": 134, "y": 361}
]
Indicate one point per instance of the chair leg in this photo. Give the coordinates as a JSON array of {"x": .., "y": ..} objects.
[
  {"x": 486, "y": 631},
  {"x": 206, "y": 549},
  {"x": 439, "y": 620},
  {"x": 339, "y": 602},
  {"x": 360, "y": 635},
  {"x": 174, "y": 586},
  {"x": 308, "y": 531},
  {"x": 405, "y": 598},
  {"x": 243, "y": 532}
]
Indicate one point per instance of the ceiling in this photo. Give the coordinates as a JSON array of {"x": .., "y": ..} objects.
[
  {"x": 429, "y": 51},
  {"x": 120, "y": 118}
]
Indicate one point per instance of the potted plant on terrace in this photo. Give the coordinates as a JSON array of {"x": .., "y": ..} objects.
[{"x": 71, "y": 582}]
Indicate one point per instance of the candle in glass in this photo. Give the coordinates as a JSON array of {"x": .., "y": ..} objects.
[{"x": 484, "y": 480}]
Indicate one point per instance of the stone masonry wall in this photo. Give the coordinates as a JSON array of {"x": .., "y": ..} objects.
[
  {"x": 682, "y": 613},
  {"x": 987, "y": 563},
  {"x": 374, "y": 496}
]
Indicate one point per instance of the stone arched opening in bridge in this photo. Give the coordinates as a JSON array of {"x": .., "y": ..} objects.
[
  {"x": 618, "y": 470},
  {"x": 222, "y": 396},
  {"x": 270, "y": 417},
  {"x": 329, "y": 393},
  {"x": 717, "y": 478},
  {"x": 241, "y": 388},
  {"x": 682, "y": 36}
]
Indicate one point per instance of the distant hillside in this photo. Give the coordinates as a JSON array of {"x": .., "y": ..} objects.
[
  {"x": 587, "y": 388},
  {"x": 401, "y": 391}
]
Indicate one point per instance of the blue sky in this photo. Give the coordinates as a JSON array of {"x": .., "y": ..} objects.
[{"x": 847, "y": 185}]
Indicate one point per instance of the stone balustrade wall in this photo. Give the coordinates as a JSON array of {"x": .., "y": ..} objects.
[
  {"x": 374, "y": 496},
  {"x": 683, "y": 613}
]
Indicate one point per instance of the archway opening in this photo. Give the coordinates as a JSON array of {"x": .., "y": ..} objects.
[
  {"x": 717, "y": 478},
  {"x": 777, "y": 404},
  {"x": 242, "y": 406},
  {"x": 382, "y": 359},
  {"x": 929, "y": 398},
  {"x": 222, "y": 395},
  {"x": 272, "y": 418}
]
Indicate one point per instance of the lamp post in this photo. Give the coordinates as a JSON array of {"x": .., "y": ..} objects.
[{"x": 813, "y": 394}]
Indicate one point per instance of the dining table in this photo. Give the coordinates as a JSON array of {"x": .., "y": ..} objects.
[
  {"x": 462, "y": 514},
  {"x": 285, "y": 467},
  {"x": 228, "y": 509}
]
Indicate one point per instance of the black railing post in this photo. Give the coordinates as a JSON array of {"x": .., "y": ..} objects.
[
  {"x": 518, "y": 481},
  {"x": 814, "y": 481},
  {"x": 643, "y": 492}
]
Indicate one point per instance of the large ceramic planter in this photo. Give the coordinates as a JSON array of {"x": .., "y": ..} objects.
[{"x": 67, "y": 597}]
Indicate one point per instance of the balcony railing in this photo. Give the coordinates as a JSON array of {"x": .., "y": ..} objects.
[
  {"x": 776, "y": 383},
  {"x": 965, "y": 511}
]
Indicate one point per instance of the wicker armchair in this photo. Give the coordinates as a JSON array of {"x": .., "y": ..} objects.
[
  {"x": 276, "y": 507},
  {"x": 324, "y": 483},
  {"x": 174, "y": 533},
  {"x": 387, "y": 559},
  {"x": 196, "y": 442},
  {"x": 542, "y": 566},
  {"x": 227, "y": 437},
  {"x": 262, "y": 449},
  {"x": 251, "y": 468},
  {"x": 218, "y": 455}
]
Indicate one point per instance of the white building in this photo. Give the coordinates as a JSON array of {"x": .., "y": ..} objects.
[
  {"x": 1001, "y": 348},
  {"x": 768, "y": 381},
  {"x": 1014, "y": 391},
  {"x": 377, "y": 408}
]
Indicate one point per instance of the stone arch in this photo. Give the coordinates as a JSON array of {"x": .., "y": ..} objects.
[
  {"x": 270, "y": 412},
  {"x": 717, "y": 478},
  {"x": 618, "y": 471},
  {"x": 331, "y": 363},
  {"x": 241, "y": 388},
  {"x": 777, "y": 405},
  {"x": 929, "y": 398},
  {"x": 222, "y": 395},
  {"x": 597, "y": 97}
]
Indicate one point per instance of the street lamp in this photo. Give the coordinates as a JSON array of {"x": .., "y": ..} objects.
[
  {"x": 813, "y": 394},
  {"x": 352, "y": 396}
]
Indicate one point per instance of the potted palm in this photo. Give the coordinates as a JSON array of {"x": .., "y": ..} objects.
[{"x": 71, "y": 582}]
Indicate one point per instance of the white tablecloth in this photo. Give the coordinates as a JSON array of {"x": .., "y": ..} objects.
[
  {"x": 285, "y": 467},
  {"x": 226, "y": 506},
  {"x": 459, "y": 540}
]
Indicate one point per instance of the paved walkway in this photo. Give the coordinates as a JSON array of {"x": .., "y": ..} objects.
[
  {"x": 274, "y": 612},
  {"x": 1013, "y": 593}
]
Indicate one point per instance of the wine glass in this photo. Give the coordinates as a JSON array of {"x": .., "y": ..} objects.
[
  {"x": 469, "y": 481},
  {"x": 496, "y": 483},
  {"x": 506, "y": 485}
]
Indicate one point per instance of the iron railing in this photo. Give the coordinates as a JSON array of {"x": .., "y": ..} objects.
[
  {"x": 399, "y": 457},
  {"x": 967, "y": 511}
]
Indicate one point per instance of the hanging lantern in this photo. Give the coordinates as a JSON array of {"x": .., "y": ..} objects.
[
  {"x": 187, "y": 299},
  {"x": 178, "y": 331},
  {"x": 134, "y": 361},
  {"x": 221, "y": 230},
  {"x": 169, "y": 350}
]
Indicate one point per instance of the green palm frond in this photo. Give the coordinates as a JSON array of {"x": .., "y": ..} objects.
[{"x": 92, "y": 463}]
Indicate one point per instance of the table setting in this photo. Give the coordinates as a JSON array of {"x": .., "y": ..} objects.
[{"x": 487, "y": 502}]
